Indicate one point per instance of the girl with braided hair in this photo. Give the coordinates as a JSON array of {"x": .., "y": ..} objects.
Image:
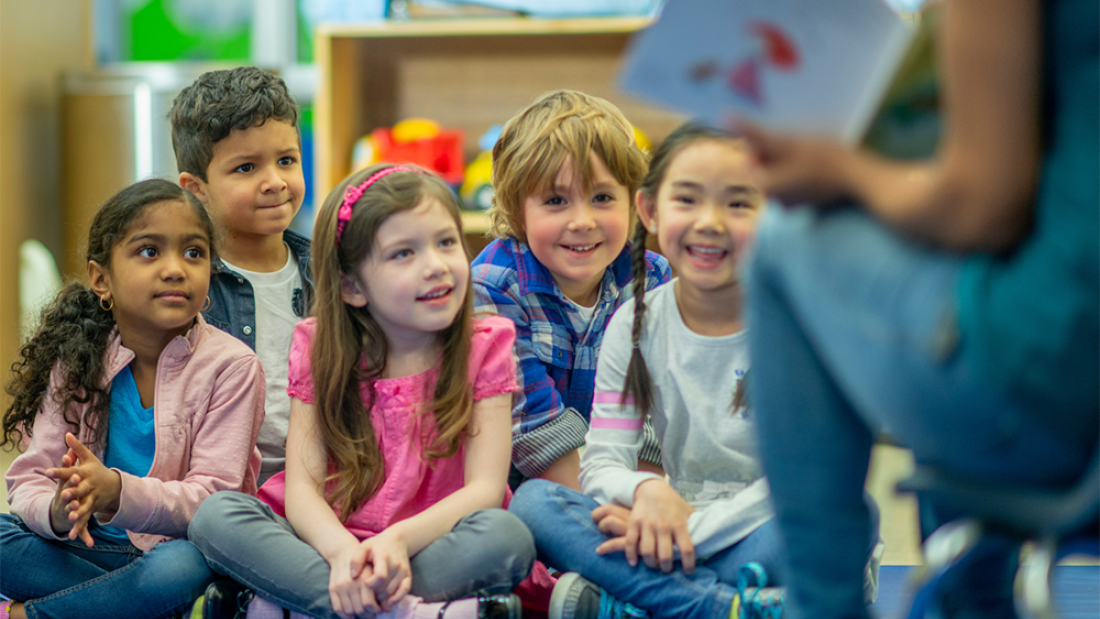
[{"x": 677, "y": 356}]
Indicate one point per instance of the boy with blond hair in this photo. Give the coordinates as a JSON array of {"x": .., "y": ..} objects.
[{"x": 565, "y": 171}]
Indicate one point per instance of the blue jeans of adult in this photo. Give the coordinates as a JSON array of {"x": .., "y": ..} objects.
[
  {"x": 63, "y": 579},
  {"x": 853, "y": 333},
  {"x": 488, "y": 551},
  {"x": 566, "y": 538}
]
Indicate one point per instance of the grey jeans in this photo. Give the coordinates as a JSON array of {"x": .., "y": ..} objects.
[{"x": 488, "y": 551}]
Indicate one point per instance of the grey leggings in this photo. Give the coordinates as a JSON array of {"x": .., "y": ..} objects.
[{"x": 488, "y": 551}]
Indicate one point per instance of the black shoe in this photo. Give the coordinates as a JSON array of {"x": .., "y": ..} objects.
[
  {"x": 225, "y": 599},
  {"x": 499, "y": 607}
]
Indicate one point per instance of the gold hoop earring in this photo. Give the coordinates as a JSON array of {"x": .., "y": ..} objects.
[
  {"x": 206, "y": 306},
  {"x": 110, "y": 304}
]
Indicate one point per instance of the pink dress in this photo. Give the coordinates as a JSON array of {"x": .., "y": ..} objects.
[{"x": 413, "y": 482}]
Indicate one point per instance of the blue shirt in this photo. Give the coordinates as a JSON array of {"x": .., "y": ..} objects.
[
  {"x": 131, "y": 438},
  {"x": 556, "y": 347}
]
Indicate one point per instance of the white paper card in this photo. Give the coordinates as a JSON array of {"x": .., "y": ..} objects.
[{"x": 816, "y": 66}]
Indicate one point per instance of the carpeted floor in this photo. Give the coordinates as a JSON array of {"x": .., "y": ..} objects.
[{"x": 1076, "y": 591}]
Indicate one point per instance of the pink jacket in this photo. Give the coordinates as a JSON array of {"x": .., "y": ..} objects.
[{"x": 208, "y": 407}]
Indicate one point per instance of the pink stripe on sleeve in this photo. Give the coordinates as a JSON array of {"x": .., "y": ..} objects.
[
  {"x": 611, "y": 397},
  {"x": 606, "y": 423}
]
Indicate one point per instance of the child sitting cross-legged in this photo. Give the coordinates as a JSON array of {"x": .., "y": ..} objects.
[
  {"x": 676, "y": 355},
  {"x": 131, "y": 411},
  {"x": 564, "y": 173},
  {"x": 397, "y": 454}
]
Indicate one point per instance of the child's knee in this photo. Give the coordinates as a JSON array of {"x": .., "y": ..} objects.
[
  {"x": 530, "y": 495},
  {"x": 508, "y": 530},
  {"x": 504, "y": 540},
  {"x": 215, "y": 512},
  {"x": 538, "y": 501},
  {"x": 179, "y": 567}
]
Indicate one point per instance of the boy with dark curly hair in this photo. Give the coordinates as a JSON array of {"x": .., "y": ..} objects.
[{"x": 239, "y": 151}]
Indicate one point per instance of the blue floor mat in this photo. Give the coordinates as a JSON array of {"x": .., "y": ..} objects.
[{"x": 1076, "y": 591}]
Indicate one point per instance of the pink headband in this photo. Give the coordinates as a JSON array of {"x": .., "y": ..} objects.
[{"x": 343, "y": 216}]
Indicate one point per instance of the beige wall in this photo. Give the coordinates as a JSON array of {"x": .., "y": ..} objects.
[{"x": 39, "y": 39}]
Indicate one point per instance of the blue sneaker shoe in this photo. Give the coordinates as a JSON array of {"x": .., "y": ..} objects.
[
  {"x": 754, "y": 599},
  {"x": 575, "y": 597}
]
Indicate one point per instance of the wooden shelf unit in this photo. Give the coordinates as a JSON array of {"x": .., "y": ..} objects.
[{"x": 468, "y": 74}]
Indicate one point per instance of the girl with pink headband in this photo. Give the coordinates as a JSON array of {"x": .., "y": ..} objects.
[{"x": 400, "y": 429}]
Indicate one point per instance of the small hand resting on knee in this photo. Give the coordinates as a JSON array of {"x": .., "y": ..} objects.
[{"x": 652, "y": 529}]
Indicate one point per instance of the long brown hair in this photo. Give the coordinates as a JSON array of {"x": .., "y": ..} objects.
[
  {"x": 639, "y": 384},
  {"x": 350, "y": 348},
  {"x": 74, "y": 329}
]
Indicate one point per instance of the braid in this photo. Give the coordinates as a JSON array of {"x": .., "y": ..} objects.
[{"x": 638, "y": 383}]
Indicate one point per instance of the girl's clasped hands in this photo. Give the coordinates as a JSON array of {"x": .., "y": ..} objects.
[
  {"x": 84, "y": 487},
  {"x": 375, "y": 574}
]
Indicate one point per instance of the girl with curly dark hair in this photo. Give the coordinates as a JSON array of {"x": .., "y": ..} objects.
[{"x": 131, "y": 410}]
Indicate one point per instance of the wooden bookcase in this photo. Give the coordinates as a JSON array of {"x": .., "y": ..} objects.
[{"x": 469, "y": 74}]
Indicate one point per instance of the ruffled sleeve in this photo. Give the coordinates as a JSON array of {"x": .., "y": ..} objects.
[
  {"x": 300, "y": 381},
  {"x": 492, "y": 360}
]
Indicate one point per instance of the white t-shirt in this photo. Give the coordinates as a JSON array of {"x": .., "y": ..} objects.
[
  {"x": 586, "y": 314},
  {"x": 707, "y": 448},
  {"x": 275, "y": 320}
]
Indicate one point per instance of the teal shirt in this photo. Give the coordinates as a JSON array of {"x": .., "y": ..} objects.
[
  {"x": 1031, "y": 318},
  {"x": 131, "y": 438}
]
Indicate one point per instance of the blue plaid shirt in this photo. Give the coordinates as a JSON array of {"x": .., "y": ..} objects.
[{"x": 556, "y": 348}]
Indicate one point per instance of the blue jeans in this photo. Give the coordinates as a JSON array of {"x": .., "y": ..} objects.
[
  {"x": 488, "y": 551},
  {"x": 566, "y": 539},
  {"x": 66, "y": 579},
  {"x": 852, "y": 331}
]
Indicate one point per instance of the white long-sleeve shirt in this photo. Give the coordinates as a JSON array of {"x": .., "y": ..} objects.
[{"x": 708, "y": 449}]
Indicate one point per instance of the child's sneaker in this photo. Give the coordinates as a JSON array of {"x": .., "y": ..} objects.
[
  {"x": 754, "y": 600},
  {"x": 575, "y": 597},
  {"x": 224, "y": 598}
]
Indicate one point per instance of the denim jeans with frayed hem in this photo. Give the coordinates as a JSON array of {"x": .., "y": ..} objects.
[
  {"x": 65, "y": 579},
  {"x": 852, "y": 332}
]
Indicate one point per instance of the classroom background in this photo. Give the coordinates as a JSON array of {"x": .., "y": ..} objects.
[{"x": 85, "y": 85}]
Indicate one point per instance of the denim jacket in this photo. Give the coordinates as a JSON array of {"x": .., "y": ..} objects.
[{"x": 233, "y": 303}]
